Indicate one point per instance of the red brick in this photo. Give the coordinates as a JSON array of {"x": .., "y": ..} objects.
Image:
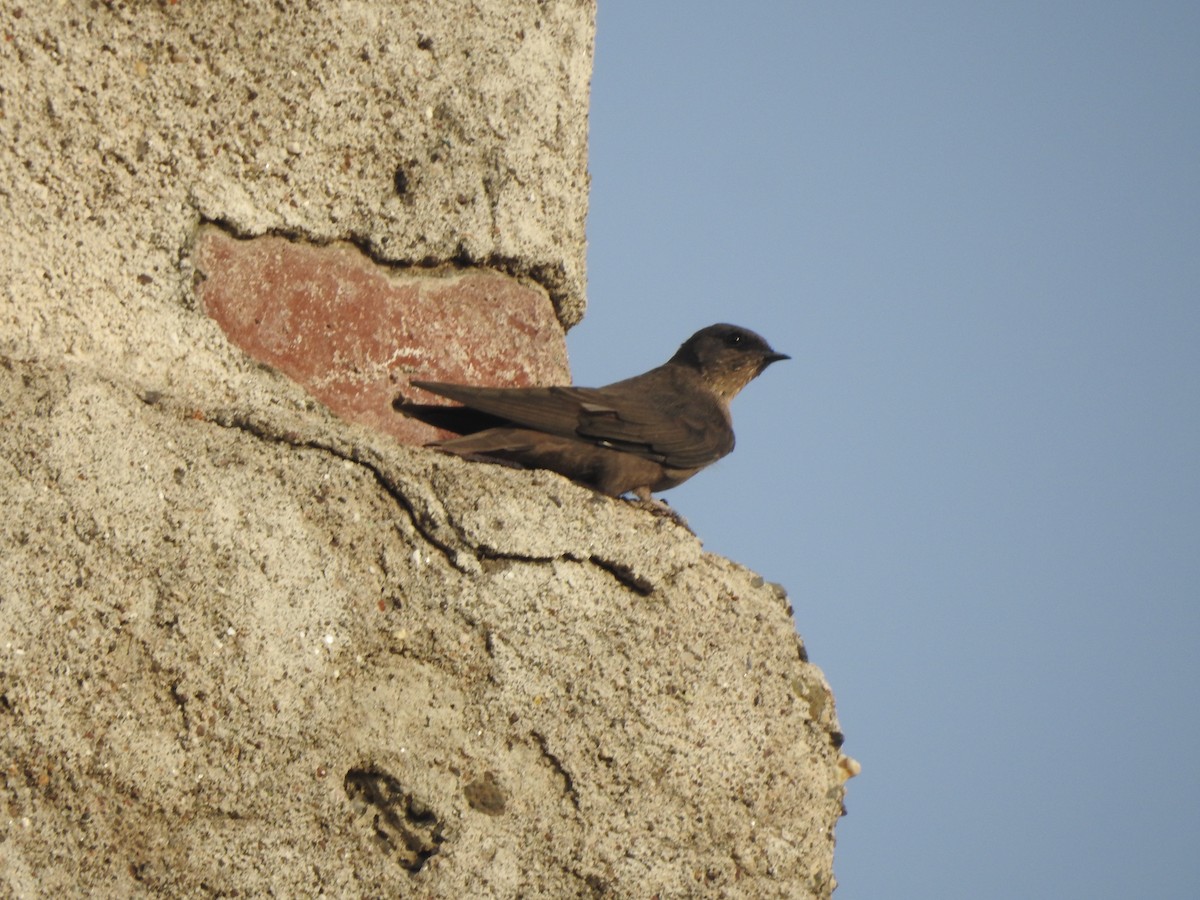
[{"x": 353, "y": 332}]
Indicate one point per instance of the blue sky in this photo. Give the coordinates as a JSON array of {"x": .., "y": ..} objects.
[{"x": 976, "y": 229}]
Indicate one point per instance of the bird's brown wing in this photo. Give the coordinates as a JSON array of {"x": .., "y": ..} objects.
[
  {"x": 678, "y": 435},
  {"x": 643, "y": 415},
  {"x": 542, "y": 409}
]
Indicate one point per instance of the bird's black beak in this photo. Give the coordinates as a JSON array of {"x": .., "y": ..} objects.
[{"x": 769, "y": 358}]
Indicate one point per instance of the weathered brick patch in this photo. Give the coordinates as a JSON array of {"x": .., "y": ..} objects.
[{"x": 353, "y": 332}]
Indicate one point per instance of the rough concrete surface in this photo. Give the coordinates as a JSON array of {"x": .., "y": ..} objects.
[
  {"x": 253, "y": 653},
  {"x": 425, "y": 132},
  {"x": 248, "y": 648}
]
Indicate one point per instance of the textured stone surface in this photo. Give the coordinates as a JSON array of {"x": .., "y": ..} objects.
[
  {"x": 426, "y": 132},
  {"x": 353, "y": 333},
  {"x": 251, "y": 652},
  {"x": 249, "y": 648}
]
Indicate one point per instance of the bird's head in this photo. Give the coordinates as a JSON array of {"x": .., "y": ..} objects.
[{"x": 726, "y": 357}]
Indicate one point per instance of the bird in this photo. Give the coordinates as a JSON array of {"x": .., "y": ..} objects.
[{"x": 638, "y": 436}]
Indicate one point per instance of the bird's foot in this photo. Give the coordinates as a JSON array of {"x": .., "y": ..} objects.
[{"x": 662, "y": 510}]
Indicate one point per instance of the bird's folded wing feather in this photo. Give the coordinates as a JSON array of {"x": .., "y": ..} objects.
[
  {"x": 542, "y": 409},
  {"x": 628, "y": 420}
]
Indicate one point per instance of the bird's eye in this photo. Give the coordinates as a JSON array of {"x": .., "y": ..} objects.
[{"x": 732, "y": 340}]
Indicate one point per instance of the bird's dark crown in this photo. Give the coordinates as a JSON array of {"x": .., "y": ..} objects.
[
  {"x": 726, "y": 356},
  {"x": 721, "y": 341}
]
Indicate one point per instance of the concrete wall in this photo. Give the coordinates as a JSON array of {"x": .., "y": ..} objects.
[{"x": 247, "y": 645}]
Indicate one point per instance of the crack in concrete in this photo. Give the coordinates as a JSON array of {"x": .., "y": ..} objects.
[
  {"x": 557, "y": 765},
  {"x": 623, "y": 573},
  {"x": 421, "y": 521},
  {"x": 549, "y": 277},
  {"x": 264, "y": 431}
]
